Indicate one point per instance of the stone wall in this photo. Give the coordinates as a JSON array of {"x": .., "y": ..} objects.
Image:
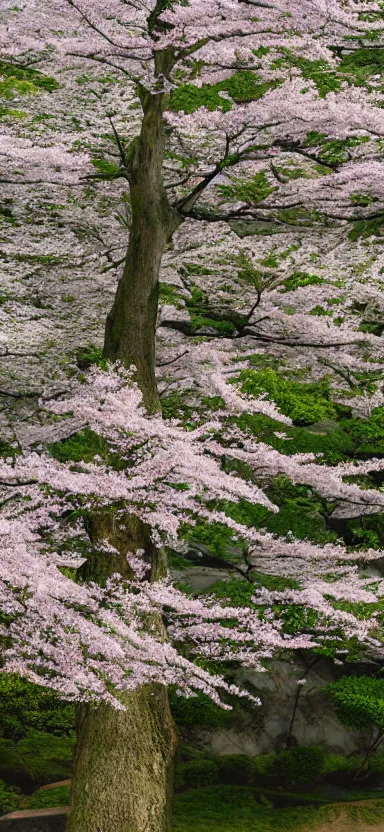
[{"x": 266, "y": 728}]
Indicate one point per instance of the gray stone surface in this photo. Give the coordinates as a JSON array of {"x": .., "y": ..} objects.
[{"x": 265, "y": 728}]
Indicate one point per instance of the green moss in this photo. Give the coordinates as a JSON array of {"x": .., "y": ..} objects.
[
  {"x": 273, "y": 582},
  {"x": 8, "y": 450},
  {"x": 361, "y": 64},
  {"x": 242, "y": 87},
  {"x": 300, "y": 519},
  {"x": 304, "y": 403},
  {"x": 366, "y": 532}
]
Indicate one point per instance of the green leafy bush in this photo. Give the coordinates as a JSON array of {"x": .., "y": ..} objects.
[
  {"x": 298, "y": 279},
  {"x": 9, "y": 798},
  {"x": 304, "y": 403},
  {"x": 200, "y": 710},
  {"x": 243, "y": 86},
  {"x": 359, "y": 700},
  {"x": 197, "y": 774},
  {"x": 38, "y": 758},
  {"x": 301, "y": 765},
  {"x": 243, "y": 770},
  {"x": 47, "y": 798},
  {"x": 24, "y": 705}
]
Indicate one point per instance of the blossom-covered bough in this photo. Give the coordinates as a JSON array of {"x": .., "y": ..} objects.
[
  {"x": 82, "y": 638},
  {"x": 260, "y": 105},
  {"x": 218, "y": 119}
]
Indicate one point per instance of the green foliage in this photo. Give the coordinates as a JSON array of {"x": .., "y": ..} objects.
[
  {"x": 320, "y": 311},
  {"x": 242, "y": 87},
  {"x": 335, "y": 445},
  {"x": 216, "y": 537},
  {"x": 235, "y": 593},
  {"x": 199, "y": 322},
  {"x": 18, "y": 80},
  {"x": 201, "y": 710},
  {"x": 332, "y": 151},
  {"x": 298, "y": 279},
  {"x": 47, "y": 798},
  {"x": 297, "y": 618},
  {"x": 106, "y": 168},
  {"x": 361, "y": 64},
  {"x": 242, "y": 770},
  {"x": 362, "y": 199},
  {"x": 82, "y": 446},
  {"x": 196, "y": 269},
  {"x": 175, "y": 407},
  {"x": 359, "y": 700},
  {"x": 24, "y": 705},
  {"x": 252, "y": 190},
  {"x": 304, "y": 403},
  {"x": 86, "y": 356},
  {"x": 168, "y": 294},
  {"x": 243, "y": 809},
  {"x": 300, "y": 766},
  {"x": 366, "y": 228},
  {"x": 197, "y": 774},
  {"x": 319, "y": 71},
  {"x": 47, "y": 757},
  {"x": 366, "y": 532},
  {"x": 374, "y": 327},
  {"x": 367, "y": 435},
  {"x": 9, "y": 798}
]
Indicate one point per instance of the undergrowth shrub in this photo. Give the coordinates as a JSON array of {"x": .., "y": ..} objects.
[
  {"x": 9, "y": 798},
  {"x": 305, "y": 403}
]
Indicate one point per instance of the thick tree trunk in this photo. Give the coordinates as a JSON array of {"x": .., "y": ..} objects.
[
  {"x": 131, "y": 323},
  {"x": 123, "y": 773},
  {"x": 124, "y": 766}
]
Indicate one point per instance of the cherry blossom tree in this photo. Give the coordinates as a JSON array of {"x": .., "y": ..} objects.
[
  {"x": 251, "y": 84},
  {"x": 225, "y": 103}
]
